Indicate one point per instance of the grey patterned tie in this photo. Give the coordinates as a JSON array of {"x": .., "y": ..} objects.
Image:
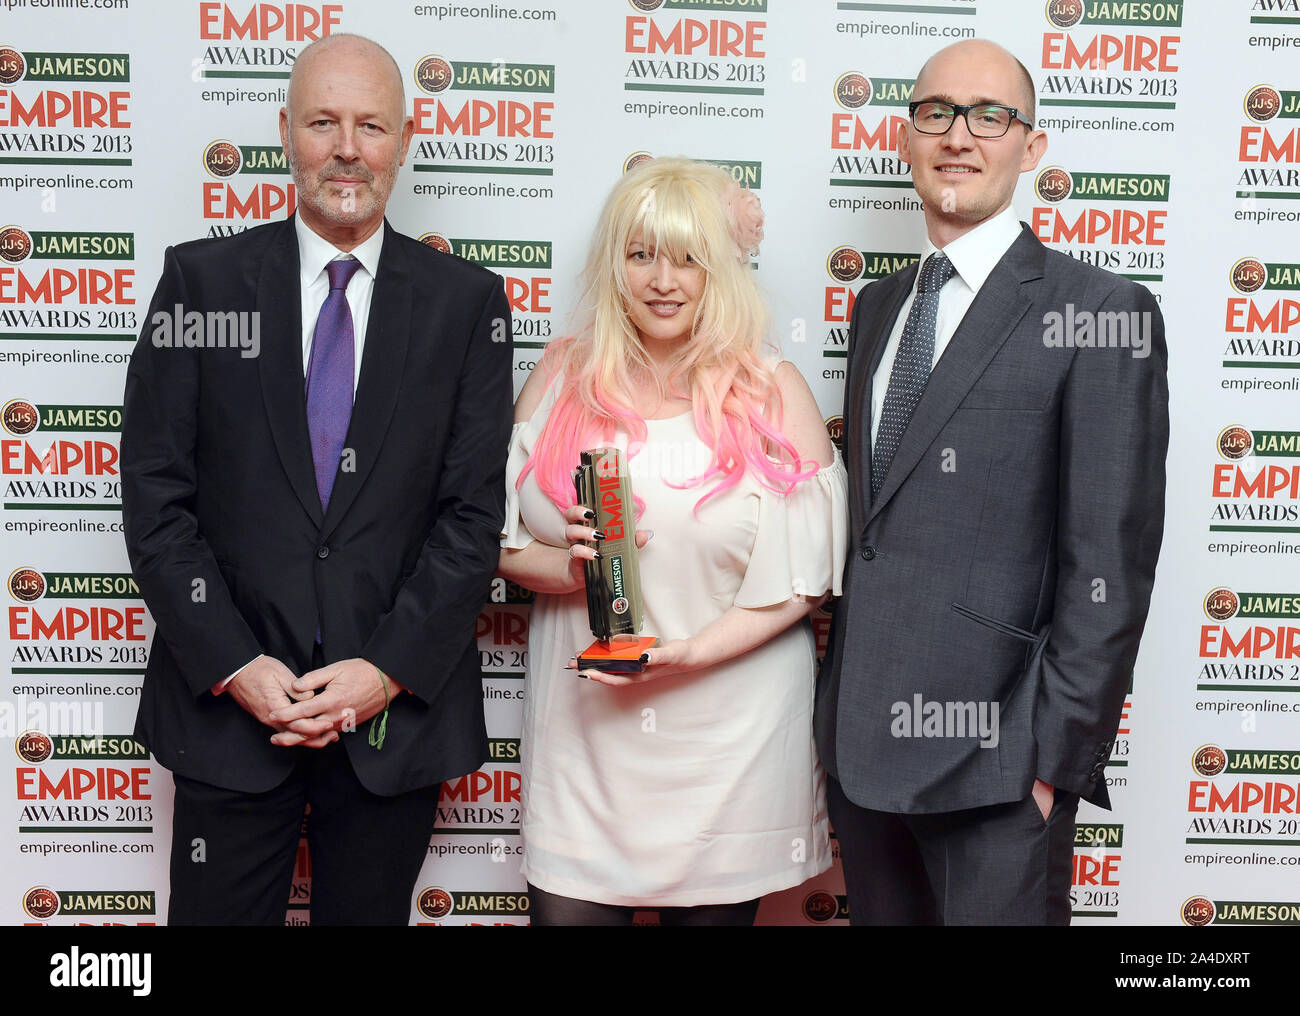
[{"x": 911, "y": 368}]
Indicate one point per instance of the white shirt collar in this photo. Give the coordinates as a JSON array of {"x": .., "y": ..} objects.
[
  {"x": 315, "y": 252},
  {"x": 975, "y": 254}
]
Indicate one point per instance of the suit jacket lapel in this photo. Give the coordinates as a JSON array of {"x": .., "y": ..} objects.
[
  {"x": 868, "y": 347},
  {"x": 279, "y": 301},
  {"x": 382, "y": 363},
  {"x": 994, "y": 314}
]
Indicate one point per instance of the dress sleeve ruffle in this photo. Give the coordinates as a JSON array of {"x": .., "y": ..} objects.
[
  {"x": 515, "y": 535},
  {"x": 801, "y": 541}
]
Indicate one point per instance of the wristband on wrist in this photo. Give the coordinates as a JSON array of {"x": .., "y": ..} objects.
[{"x": 379, "y": 724}]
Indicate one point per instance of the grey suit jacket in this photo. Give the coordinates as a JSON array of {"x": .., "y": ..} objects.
[{"x": 1007, "y": 564}]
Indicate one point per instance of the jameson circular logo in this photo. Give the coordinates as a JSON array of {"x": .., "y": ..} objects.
[
  {"x": 1065, "y": 13},
  {"x": 34, "y": 746},
  {"x": 12, "y": 65},
  {"x": 1209, "y": 760},
  {"x": 15, "y": 244},
  {"x": 820, "y": 907},
  {"x": 845, "y": 264},
  {"x": 1263, "y": 102},
  {"x": 646, "y": 5},
  {"x": 437, "y": 241},
  {"x": 835, "y": 429},
  {"x": 434, "y": 903},
  {"x": 26, "y": 584},
  {"x": 1053, "y": 184},
  {"x": 222, "y": 159},
  {"x": 1198, "y": 911},
  {"x": 433, "y": 74},
  {"x": 19, "y": 417},
  {"x": 853, "y": 90},
  {"x": 635, "y": 159},
  {"x": 620, "y": 605},
  {"x": 41, "y": 902},
  {"x": 1235, "y": 442},
  {"x": 1221, "y": 604},
  {"x": 1247, "y": 275}
]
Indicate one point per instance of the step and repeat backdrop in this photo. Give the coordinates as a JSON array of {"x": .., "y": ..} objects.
[{"x": 1174, "y": 159}]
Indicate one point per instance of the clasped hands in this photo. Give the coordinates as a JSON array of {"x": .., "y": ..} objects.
[
  {"x": 310, "y": 711},
  {"x": 664, "y": 660}
]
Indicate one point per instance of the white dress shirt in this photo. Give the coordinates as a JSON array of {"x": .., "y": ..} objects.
[
  {"x": 314, "y": 253},
  {"x": 973, "y": 255}
]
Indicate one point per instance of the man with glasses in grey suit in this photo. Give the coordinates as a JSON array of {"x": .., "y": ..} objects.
[{"x": 1005, "y": 429}]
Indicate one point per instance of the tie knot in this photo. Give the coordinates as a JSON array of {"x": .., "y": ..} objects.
[
  {"x": 341, "y": 272},
  {"x": 935, "y": 272}
]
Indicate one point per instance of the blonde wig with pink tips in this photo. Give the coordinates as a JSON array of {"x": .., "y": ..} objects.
[{"x": 679, "y": 208}]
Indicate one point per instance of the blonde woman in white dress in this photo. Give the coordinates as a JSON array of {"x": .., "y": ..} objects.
[{"x": 694, "y": 787}]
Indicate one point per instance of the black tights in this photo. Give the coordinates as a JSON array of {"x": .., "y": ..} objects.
[{"x": 548, "y": 910}]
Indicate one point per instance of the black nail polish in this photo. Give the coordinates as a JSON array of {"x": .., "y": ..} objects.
[
  {"x": 645, "y": 657},
  {"x": 597, "y": 555},
  {"x": 588, "y": 514},
  {"x": 597, "y": 534}
]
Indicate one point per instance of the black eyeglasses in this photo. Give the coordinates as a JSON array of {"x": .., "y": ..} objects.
[{"x": 983, "y": 120}]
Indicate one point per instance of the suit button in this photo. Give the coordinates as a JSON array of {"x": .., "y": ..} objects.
[
  {"x": 322, "y": 552},
  {"x": 868, "y": 553}
]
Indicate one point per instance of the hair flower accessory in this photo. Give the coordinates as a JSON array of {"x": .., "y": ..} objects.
[{"x": 744, "y": 219}]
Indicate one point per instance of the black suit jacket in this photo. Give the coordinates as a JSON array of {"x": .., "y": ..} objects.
[
  {"x": 1009, "y": 557},
  {"x": 224, "y": 526}
]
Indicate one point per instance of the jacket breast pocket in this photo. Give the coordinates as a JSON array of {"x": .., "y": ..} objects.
[
  {"x": 1015, "y": 381},
  {"x": 1007, "y": 400}
]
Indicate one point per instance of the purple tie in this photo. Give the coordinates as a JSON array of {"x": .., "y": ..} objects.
[{"x": 329, "y": 378}]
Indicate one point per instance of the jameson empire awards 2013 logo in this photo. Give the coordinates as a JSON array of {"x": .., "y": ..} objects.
[
  {"x": 847, "y": 265},
  {"x": 489, "y": 117},
  {"x": 1268, "y": 145},
  {"x": 1261, "y": 654},
  {"x": 82, "y": 782},
  {"x": 1251, "y": 494},
  {"x": 1111, "y": 55},
  {"x": 38, "y": 296},
  {"x": 230, "y": 203},
  {"x": 1243, "y": 796},
  {"x": 1093, "y": 212},
  {"x": 1257, "y": 323},
  {"x": 864, "y": 131},
  {"x": 49, "y": 121},
  {"x": 73, "y": 472}
]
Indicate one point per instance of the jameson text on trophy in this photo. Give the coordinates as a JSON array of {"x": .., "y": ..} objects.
[{"x": 614, "y": 604}]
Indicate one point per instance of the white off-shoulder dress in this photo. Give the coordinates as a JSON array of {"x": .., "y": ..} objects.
[{"x": 703, "y": 788}]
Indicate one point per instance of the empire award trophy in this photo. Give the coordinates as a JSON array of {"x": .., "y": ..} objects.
[{"x": 614, "y": 605}]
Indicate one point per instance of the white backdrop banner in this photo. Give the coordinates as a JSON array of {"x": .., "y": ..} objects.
[{"x": 129, "y": 125}]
